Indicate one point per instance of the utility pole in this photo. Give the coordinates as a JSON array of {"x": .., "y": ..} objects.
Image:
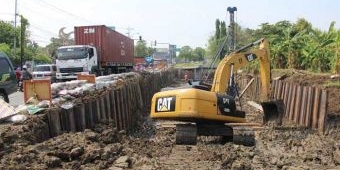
[
  {"x": 231, "y": 31},
  {"x": 15, "y": 34},
  {"x": 232, "y": 90},
  {"x": 129, "y": 29},
  {"x": 22, "y": 39}
]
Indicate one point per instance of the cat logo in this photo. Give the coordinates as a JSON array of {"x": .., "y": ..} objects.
[
  {"x": 250, "y": 57},
  {"x": 165, "y": 104}
]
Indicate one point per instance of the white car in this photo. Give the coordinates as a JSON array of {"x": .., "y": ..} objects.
[{"x": 45, "y": 71}]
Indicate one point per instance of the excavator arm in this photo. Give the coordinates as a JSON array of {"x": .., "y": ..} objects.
[{"x": 236, "y": 60}]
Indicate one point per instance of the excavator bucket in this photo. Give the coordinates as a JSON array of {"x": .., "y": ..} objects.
[{"x": 273, "y": 111}]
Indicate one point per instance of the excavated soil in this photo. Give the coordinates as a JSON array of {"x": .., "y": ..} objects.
[
  {"x": 151, "y": 146},
  {"x": 104, "y": 147}
]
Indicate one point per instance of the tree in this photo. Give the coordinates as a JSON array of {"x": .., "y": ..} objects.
[
  {"x": 5, "y": 48},
  {"x": 141, "y": 50},
  {"x": 318, "y": 55},
  {"x": 198, "y": 54},
  {"x": 217, "y": 31},
  {"x": 7, "y": 34},
  {"x": 223, "y": 29},
  {"x": 62, "y": 39},
  {"x": 186, "y": 53}
]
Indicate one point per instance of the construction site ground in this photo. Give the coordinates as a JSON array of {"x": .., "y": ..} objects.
[{"x": 151, "y": 144}]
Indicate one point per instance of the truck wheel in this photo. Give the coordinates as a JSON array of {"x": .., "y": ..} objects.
[{"x": 4, "y": 96}]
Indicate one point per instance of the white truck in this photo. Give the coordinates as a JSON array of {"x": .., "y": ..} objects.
[
  {"x": 77, "y": 59},
  {"x": 98, "y": 50}
]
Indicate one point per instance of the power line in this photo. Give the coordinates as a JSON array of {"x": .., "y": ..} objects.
[
  {"x": 42, "y": 29},
  {"x": 39, "y": 12},
  {"x": 41, "y": 2}
]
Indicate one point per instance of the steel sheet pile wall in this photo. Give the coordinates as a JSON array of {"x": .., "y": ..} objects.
[
  {"x": 121, "y": 104},
  {"x": 305, "y": 106}
]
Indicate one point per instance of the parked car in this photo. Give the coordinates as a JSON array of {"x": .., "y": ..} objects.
[
  {"x": 44, "y": 71},
  {"x": 8, "y": 81}
]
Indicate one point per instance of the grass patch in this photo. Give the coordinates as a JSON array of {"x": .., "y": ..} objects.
[
  {"x": 332, "y": 84},
  {"x": 185, "y": 65}
]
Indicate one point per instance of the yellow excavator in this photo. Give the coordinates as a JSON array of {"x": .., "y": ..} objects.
[{"x": 206, "y": 109}]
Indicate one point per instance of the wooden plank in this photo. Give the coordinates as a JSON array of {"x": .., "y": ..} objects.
[
  {"x": 133, "y": 100},
  {"x": 298, "y": 104},
  {"x": 79, "y": 114},
  {"x": 282, "y": 91},
  {"x": 71, "y": 119},
  {"x": 95, "y": 114},
  {"x": 54, "y": 123},
  {"x": 107, "y": 105},
  {"x": 129, "y": 109},
  {"x": 247, "y": 86},
  {"x": 279, "y": 89},
  {"x": 292, "y": 102},
  {"x": 322, "y": 111},
  {"x": 65, "y": 127},
  {"x": 284, "y": 96},
  {"x": 309, "y": 107},
  {"x": 90, "y": 78},
  {"x": 274, "y": 88},
  {"x": 288, "y": 99},
  {"x": 88, "y": 109},
  {"x": 118, "y": 103},
  {"x": 303, "y": 106},
  {"x": 123, "y": 107},
  {"x": 112, "y": 105},
  {"x": 102, "y": 107},
  {"x": 140, "y": 97},
  {"x": 316, "y": 105}
]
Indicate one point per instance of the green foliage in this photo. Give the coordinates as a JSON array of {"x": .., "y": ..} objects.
[
  {"x": 198, "y": 54},
  {"x": 141, "y": 50},
  {"x": 7, "y": 32},
  {"x": 5, "y": 48},
  {"x": 292, "y": 45},
  {"x": 217, "y": 27},
  {"x": 186, "y": 53}
]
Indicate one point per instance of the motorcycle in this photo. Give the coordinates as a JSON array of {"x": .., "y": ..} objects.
[{"x": 21, "y": 85}]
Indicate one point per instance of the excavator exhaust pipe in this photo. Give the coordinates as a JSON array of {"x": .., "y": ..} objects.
[{"x": 273, "y": 112}]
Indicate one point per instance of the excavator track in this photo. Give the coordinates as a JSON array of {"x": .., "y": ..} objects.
[
  {"x": 186, "y": 134},
  {"x": 243, "y": 135}
]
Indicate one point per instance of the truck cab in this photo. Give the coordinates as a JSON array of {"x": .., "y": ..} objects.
[{"x": 76, "y": 59}]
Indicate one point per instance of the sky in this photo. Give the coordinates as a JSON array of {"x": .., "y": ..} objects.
[{"x": 178, "y": 22}]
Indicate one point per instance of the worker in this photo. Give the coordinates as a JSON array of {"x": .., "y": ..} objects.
[
  {"x": 18, "y": 74},
  {"x": 25, "y": 75},
  {"x": 186, "y": 76}
]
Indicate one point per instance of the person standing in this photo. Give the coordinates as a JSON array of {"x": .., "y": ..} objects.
[
  {"x": 26, "y": 75},
  {"x": 18, "y": 74}
]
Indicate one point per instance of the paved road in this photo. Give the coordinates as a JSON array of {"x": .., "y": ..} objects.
[{"x": 16, "y": 98}]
